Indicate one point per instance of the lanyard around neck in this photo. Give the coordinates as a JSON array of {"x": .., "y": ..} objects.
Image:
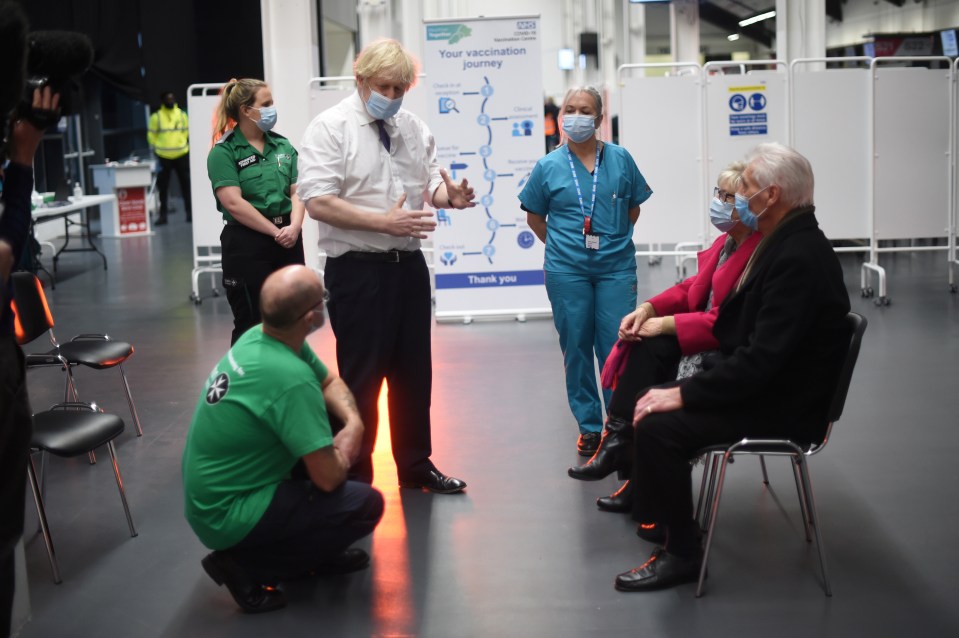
[{"x": 579, "y": 192}]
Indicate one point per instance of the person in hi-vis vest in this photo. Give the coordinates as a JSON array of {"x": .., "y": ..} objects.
[{"x": 169, "y": 138}]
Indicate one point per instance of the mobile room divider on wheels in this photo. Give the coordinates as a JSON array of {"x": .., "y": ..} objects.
[
  {"x": 207, "y": 221},
  {"x": 953, "y": 257},
  {"x": 875, "y": 139},
  {"x": 911, "y": 159},
  {"x": 661, "y": 125},
  {"x": 882, "y": 140}
]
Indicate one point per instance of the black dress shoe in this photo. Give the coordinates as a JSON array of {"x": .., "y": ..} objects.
[
  {"x": 620, "y": 501},
  {"x": 252, "y": 597},
  {"x": 161, "y": 221},
  {"x": 660, "y": 571},
  {"x": 587, "y": 443},
  {"x": 349, "y": 560},
  {"x": 437, "y": 482}
]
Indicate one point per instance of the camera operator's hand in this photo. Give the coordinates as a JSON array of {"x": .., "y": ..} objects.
[{"x": 26, "y": 135}]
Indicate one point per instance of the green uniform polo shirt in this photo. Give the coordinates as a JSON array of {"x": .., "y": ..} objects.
[
  {"x": 264, "y": 178},
  {"x": 262, "y": 409}
]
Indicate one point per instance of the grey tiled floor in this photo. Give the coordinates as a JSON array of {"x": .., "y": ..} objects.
[{"x": 524, "y": 551}]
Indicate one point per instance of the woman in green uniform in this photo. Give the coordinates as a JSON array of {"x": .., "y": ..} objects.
[{"x": 253, "y": 174}]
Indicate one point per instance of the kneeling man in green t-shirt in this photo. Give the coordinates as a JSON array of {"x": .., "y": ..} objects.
[{"x": 265, "y": 477}]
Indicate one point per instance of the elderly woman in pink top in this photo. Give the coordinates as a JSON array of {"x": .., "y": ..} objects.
[{"x": 666, "y": 337}]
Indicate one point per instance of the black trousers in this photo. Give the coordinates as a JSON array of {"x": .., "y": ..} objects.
[
  {"x": 180, "y": 166},
  {"x": 249, "y": 257},
  {"x": 664, "y": 444},
  {"x": 381, "y": 315},
  {"x": 304, "y": 527},
  {"x": 15, "y": 430},
  {"x": 651, "y": 362}
]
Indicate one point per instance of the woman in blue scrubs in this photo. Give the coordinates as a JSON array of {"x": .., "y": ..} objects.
[{"x": 582, "y": 201}]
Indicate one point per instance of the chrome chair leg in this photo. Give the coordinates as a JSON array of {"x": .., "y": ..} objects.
[
  {"x": 803, "y": 496},
  {"x": 70, "y": 386},
  {"x": 714, "y": 514},
  {"x": 814, "y": 520},
  {"x": 123, "y": 496},
  {"x": 711, "y": 491},
  {"x": 41, "y": 480},
  {"x": 45, "y": 528},
  {"x": 133, "y": 408},
  {"x": 762, "y": 464},
  {"x": 702, "y": 490}
]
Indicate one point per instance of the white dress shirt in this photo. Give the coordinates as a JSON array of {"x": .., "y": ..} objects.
[{"x": 341, "y": 154}]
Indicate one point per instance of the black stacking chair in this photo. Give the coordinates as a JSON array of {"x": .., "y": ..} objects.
[
  {"x": 721, "y": 455},
  {"x": 70, "y": 429},
  {"x": 96, "y": 351}
]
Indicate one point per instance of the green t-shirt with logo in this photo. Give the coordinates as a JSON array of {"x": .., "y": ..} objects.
[{"x": 262, "y": 409}]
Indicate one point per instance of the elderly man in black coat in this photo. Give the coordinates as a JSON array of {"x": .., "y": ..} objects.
[{"x": 782, "y": 336}]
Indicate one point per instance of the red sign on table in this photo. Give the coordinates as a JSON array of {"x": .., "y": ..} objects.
[{"x": 132, "y": 203}]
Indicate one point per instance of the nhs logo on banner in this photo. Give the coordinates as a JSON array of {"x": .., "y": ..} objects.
[{"x": 452, "y": 33}]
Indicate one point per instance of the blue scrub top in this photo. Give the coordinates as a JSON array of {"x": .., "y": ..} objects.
[{"x": 550, "y": 192}]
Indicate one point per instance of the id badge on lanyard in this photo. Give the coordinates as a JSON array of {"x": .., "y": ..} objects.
[{"x": 591, "y": 239}]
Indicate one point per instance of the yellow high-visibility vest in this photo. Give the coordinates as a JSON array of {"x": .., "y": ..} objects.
[{"x": 169, "y": 133}]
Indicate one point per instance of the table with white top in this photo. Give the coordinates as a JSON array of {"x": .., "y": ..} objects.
[{"x": 53, "y": 211}]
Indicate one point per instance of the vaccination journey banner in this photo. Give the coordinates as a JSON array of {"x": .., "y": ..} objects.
[{"x": 483, "y": 79}]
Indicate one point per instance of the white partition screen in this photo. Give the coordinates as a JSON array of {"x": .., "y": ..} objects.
[
  {"x": 660, "y": 124},
  {"x": 830, "y": 114},
  {"x": 202, "y": 100},
  {"x": 912, "y": 152},
  {"x": 743, "y": 110}
]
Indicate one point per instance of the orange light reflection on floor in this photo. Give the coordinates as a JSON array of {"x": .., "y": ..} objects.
[{"x": 392, "y": 585}]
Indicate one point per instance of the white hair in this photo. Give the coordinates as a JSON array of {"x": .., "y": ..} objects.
[{"x": 775, "y": 163}]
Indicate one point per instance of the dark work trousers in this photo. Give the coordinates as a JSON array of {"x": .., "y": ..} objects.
[
  {"x": 181, "y": 166},
  {"x": 305, "y": 527},
  {"x": 15, "y": 429},
  {"x": 249, "y": 257},
  {"x": 381, "y": 314},
  {"x": 651, "y": 362},
  {"x": 664, "y": 444}
]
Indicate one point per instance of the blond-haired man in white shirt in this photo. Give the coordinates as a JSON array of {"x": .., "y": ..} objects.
[{"x": 368, "y": 169}]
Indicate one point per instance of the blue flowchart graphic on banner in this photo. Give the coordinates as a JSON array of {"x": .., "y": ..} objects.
[
  {"x": 487, "y": 119},
  {"x": 748, "y": 115}
]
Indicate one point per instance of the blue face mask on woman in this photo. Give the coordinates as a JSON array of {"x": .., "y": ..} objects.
[
  {"x": 267, "y": 118},
  {"x": 579, "y": 128},
  {"x": 381, "y": 107},
  {"x": 746, "y": 216},
  {"x": 721, "y": 215}
]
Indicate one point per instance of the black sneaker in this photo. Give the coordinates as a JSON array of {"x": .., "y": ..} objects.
[{"x": 587, "y": 443}]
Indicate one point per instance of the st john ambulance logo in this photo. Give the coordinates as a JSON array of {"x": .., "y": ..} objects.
[{"x": 218, "y": 388}]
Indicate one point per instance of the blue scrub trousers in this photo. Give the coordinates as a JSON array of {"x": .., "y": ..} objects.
[{"x": 587, "y": 311}]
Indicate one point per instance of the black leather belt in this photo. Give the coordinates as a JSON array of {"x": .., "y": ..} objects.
[
  {"x": 280, "y": 221},
  {"x": 390, "y": 256}
]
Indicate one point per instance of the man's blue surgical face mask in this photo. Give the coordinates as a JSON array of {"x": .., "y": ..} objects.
[
  {"x": 721, "y": 215},
  {"x": 267, "y": 118},
  {"x": 579, "y": 128},
  {"x": 746, "y": 216},
  {"x": 381, "y": 107}
]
